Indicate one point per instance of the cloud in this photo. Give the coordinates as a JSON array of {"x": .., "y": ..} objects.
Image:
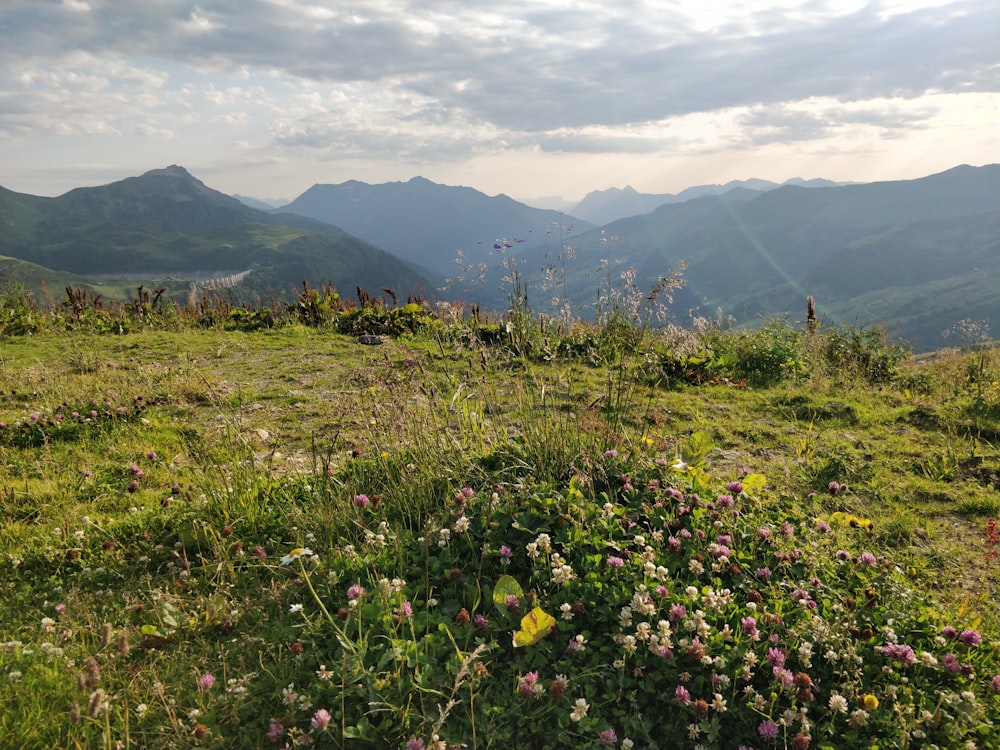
[{"x": 438, "y": 79}]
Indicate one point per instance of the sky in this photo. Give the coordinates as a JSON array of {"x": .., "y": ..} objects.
[{"x": 530, "y": 98}]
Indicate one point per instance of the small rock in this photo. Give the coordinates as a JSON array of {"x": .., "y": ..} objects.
[{"x": 370, "y": 339}]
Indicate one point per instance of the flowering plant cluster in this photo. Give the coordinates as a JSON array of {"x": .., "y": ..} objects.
[{"x": 655, "y": 610}]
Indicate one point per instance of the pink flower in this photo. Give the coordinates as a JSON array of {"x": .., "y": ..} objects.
[
  {"x": 320, "y": 719},
  {"x": 970, "y": 638},
  {"x": 361, "y": 501},
  {"x": 615, "y": 562},
  {"x": 526, "y": 685},
  {"x": 206, "y": 681},
  {"x": 682, "y": 696},
  {"x": 355, "y": 592},
  {"x": 767, "y": 729},
  {"x": 276, "y": 731}
]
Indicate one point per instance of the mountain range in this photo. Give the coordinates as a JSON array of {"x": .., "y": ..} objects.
[
  {"x": 604, "y": 206},
  {"x": 166, "y": 227},
  {"x": 917, "y": 255},
  {"x": 434, "y": 227}
]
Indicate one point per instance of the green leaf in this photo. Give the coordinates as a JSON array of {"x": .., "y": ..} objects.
[
  {"x": 753, "y": 483},
  {"x": 504, "y": 587}
]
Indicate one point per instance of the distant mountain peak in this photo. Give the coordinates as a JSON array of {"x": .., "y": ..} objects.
[{"x": 172, "y": 171}]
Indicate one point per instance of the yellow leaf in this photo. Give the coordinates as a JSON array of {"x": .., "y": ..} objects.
[{"x": 534, "y": 626}]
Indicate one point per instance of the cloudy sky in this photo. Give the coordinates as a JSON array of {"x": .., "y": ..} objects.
[{"x": 526, "y": 97}]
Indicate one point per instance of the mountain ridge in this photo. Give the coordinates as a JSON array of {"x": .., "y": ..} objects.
[{"x": 166, "y": 221}]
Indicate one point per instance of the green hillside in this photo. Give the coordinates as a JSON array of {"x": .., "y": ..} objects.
[{"x": 166, "y": 228}]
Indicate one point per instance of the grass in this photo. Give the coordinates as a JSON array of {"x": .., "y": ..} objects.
[{"x": 282, "y": 537}]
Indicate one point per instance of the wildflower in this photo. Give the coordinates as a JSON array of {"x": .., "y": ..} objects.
[
  {"x": 461, "y": 524},
  {"x": 276, "y": 731},
  {"x": 323, "y": 673},
  {"x": 995, "y": 683},
  {"x": 838, "y": 703},
  {"x": 859, "y": 717},
  {"x": 97, "y": 705},
  {"x": 970, "y": 637},
  {"x": 414, "y": 743},
  {"x": 615, "y": 562},
  {"x": 320, "y": 719},
  {"x": 843, "y": 555},
  {"x": 767, "y": 730},
  {"x": 682, "y": 695},
  {"x": 567, "y": 610},
  {"x": 527, "y": 684},
  {"x": 557, "y": 688},
  {"x": 480, "y": 622},
  {"x": 505, "y": 552},
  {"x": 355, "y": 592},
  {"x": 361, "y": 501},
  {"x": 580, "y": 709},
  {"x": 867, "y": 558},
  {"x": 719, "y": 703},
  {"x": 734, "y": 487},
  {"x": 141, "y": 709},
  {"x": 951, "y": 663},
  {"x": 607, "y": 738},
  {"x": 206, "y": 681},
  {"x": 295, "y": 554},
  {"x": 869, "y": 702},
  {"x": 899, "y": 652}
]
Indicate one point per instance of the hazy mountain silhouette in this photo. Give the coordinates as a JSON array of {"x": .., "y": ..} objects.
[
  {"x": 919, "y": 255},
  {"x": 429, "y": 224},
  {"x": 604, "y": 206}
]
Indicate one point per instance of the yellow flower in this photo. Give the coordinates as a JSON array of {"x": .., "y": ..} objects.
[{"x": 869, "y": 702}]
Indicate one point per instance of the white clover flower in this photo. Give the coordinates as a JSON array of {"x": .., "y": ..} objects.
[
  {"x": 838, "y": 703},
  {"x": 859, "y": 717},
  {"x": 580, "y": 709}
]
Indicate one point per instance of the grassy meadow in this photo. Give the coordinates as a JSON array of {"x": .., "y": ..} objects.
[{"x": 242, "y": 528}]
